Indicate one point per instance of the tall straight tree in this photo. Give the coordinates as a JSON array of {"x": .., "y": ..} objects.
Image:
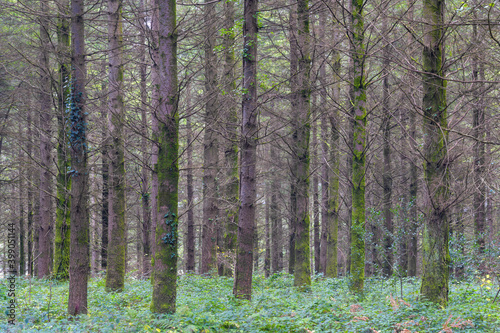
[
  {"x": 387, "y": 171},
  {"x": 167, "y": 168},
  {"x": 45, "y": 224},
  {"x": 79, "y": 244},
  {"x": 115, "y": 274},
  {"x": 62, "y": 236},
  {"x": 210, "y": 145},
  {"x": 231, "y": 190},
  {"x": 302, "y": 273},
  {"x": 358, "y": 102},
  {"x": 249, "y": 130},
  {"x": 436, "y": 256}
]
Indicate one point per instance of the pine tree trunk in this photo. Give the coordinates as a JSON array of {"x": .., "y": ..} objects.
[
  {"x": 115, "y": 274},
  {"x": 275, "y": 217},
  {"x": 210, "y": 146},
  {"x": 249, "y": 129},
  {"x": 436, "y": 257},
  {"x": 145, "y": 237},
  {"x": 302, "y": 273},
  {"x": 358, "y": 100},
  {"x": 231, "y": 191},
  {"x": 478, "y": 125},
  {"x": 62, "y": 236},
  {"x": 79, "y": 242},
  {"x": 190, "y": 237},
  {"x": 30, "y": 194},
  {"x": 315, "y": 214},
  {"x": 45, "y": 214},
  {"x": 105, "y": 178},
  {"x": 165, "y": 256},
  {"x": 387, "y": 171}
]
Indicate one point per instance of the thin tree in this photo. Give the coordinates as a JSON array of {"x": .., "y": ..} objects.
[{"x": 249, "y": 129}]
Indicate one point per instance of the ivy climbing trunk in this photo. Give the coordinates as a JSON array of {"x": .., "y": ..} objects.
[
  {"x": 358, "y": 102},
  {"x": 62, "y": 236},
  {"x": 249, "y": 130},
  {"x": 210, "y": 145},
  {"x": 167, "y": 168},
  {"x": 45, "y": 225},
  {"x": 436, "y": 256},
  {"x": 79, "y": 241},
  {"x": 231, "y": 191},
  {"x": 302, "y": 273},
  {"x": 115, "y": 274}
]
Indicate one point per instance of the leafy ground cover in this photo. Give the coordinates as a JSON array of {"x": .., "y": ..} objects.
[{"x": 207, "y": 305}]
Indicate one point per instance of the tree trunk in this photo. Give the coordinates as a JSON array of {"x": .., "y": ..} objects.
[
  {"x": 210, "y": 146},
  {"x": 267, "y": 258},
  {"x": 479, "y": 133},
  {"x": 79, "y": 243},
  {"x": 302, "y": 273},
  {"x": 231, "y": 191},
  {"x": 387, "y": 172},
  {"x": 249, "y": 130},
  {"x": 115, "y": 275},
  {"x": 62, "y": 236},
  {"x": 275, "y": 217},
  {"x": 29, "y": 151},
  {"x": 190, "y": 237},
  {"x": 167, "y": 168},
  {"x": 316, "y": 198},
  {"x": 145, "y": 195},
  {"x": 358, "y": 100},
  {"x": 45, "y": 214},
  {"x": 436, "y": 257}
]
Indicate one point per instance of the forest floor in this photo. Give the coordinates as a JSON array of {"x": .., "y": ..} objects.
[{"x": 207, "y": 305}]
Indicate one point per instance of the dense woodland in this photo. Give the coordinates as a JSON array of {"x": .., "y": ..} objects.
[{"x": 293, "y": 141}]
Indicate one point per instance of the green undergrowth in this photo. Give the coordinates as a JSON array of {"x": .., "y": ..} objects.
[{"x": 207, "y": 305}]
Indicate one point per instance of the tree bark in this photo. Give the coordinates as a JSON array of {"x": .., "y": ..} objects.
[
  {"x": 436, "y": 257},
  {"x": 249, "y": 130},
  {"x": 231, "y": 191},
  {"x": 45, "y": 214},
  {"x": 79, "y": 242},
  {"x": 387, "y": 172},
  {"x": 167, "y": 168},
  {"x": 275, "y": 217},
  {"x": 358, "y": 100},
  {"x": 190, "y": 240},
  {"x": 210, "y": 146},
  {"x": 115, "y": 274},
  {"x": 62, "y": 236}
]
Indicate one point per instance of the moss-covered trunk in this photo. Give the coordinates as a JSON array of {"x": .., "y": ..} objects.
[
  {"x": 167, "y": 168},
  {"x": 62, "y": 236},
  {"x": 436, "y": 257},
  {"x": 358, "y": 101},
  {"x": 231, "y": 191},
  {"x": 115, "y": 274},
  {"x": 210, "y": 145},
  {"x": 302, "y": 273},
  {"x": 249, "y": 130},
  {"x": 79, "y": 240}
]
